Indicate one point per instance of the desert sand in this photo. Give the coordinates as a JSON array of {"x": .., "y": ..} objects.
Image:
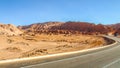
[{"x": 20, "y": 46}]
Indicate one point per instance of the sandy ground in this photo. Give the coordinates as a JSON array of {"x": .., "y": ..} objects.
[{"x": 26, "y": 46}]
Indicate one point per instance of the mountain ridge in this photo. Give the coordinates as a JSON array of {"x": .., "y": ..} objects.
[{"x": 68, "y": 28}]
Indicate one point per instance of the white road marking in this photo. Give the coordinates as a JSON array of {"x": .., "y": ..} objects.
[{"x": 110, "y": 64}]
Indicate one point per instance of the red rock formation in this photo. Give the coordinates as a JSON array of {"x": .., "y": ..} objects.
[{"x": 67, "y": 28}]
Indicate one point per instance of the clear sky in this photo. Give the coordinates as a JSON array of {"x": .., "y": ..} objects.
[{"x": 24, "y": 12}]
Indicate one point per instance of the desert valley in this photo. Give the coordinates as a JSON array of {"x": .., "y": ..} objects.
[{"x": 52, "y": 37}]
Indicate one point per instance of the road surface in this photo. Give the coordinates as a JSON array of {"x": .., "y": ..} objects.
[{"x": 108, "y": 57}]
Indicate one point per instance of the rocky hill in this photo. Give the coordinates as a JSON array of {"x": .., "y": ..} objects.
[
  {"x": 67, "y": 28},
  {"x": 116, "y": 27},
  {"x": 83, "y": 27},
  {"x": 40, "y": 26},
  {"x": 9, "y": 29}
]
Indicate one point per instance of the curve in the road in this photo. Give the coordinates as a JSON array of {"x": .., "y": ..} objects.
[{"x": 84, "y": 57}]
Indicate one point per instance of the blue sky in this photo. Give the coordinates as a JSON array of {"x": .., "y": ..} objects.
[{"x": 24, "y": 12}]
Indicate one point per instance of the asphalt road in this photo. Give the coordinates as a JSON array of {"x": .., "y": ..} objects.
[{"x": 108, "y": 57}]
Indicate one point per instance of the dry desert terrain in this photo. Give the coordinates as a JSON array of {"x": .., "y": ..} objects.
[{"x": 12, "y": 47}]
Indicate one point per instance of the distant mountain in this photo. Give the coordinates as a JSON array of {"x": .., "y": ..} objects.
[
  {"x": 83, "y": 27},
  {"x": 116, "y": 27},
  {"x": 67, "y": 28},
  {"x": 39, "y": 26},
  {"x": 9, "y": 29}
]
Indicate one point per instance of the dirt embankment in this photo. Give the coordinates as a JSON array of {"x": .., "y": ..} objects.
[
  {"x": 109, "y": 41},
  {"x": 28, "y": 45}
]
